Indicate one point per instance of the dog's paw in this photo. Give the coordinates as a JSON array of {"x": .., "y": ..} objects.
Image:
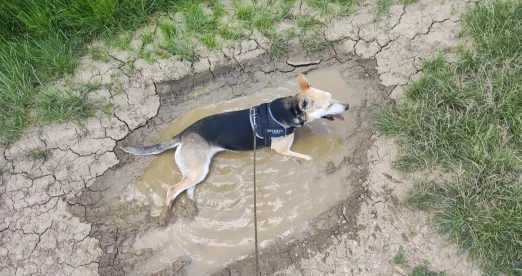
[{"x": 307, "y": 158}]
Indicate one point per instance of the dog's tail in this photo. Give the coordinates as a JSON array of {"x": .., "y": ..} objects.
[{"x": 155, "y": 149}]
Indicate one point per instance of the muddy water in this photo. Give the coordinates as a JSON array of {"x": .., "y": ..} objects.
[{"x": 290, "y": 193}]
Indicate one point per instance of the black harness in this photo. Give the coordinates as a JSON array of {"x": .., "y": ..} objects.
[{"x": 267, "y": 126}]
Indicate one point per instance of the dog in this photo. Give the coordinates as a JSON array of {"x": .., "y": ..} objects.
[{"x": 274, "y": 123}]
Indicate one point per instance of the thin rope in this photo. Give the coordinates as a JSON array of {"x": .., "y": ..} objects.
[{"x": 255, "y": 200}]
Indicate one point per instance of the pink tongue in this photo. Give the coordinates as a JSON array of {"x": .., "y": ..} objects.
[{"x": 339, "y": 117}]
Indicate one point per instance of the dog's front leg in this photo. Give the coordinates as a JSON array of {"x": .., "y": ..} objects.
[{"x": 283, "y": 145}]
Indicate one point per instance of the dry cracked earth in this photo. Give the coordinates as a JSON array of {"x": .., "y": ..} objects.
[{"x": 55, "y": 215}]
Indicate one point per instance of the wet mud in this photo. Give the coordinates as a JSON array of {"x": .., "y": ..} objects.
[
  {"x": 290, "y": 192},
  {"x": 198, "y": 238}
]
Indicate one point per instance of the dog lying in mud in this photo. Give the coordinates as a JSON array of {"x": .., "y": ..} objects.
[{"x": 234, "y": 131}]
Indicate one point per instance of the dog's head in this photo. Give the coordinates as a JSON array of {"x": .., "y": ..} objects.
[{"x": 316, "y": 103}]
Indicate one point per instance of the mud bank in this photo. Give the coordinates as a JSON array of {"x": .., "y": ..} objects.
[{"x": 59, "y": 214}]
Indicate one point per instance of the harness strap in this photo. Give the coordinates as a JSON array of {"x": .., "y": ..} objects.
[
  {"x": 267, "y": 126},
  {"x": 265, "y": 123}
]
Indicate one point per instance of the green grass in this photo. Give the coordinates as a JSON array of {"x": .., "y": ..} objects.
[
  {"x": 114, "y": 87},
  {"x": 144, "y": 52},
  {"x": 265, "y": 17},
  {"x": 333, "y": 7},
  {"x": 466, "y": 118},
  {"x": 264, "y": 20},
  {"x": 209, "y": 40},
  {"x": 231, "y": 34},
  {"x": 261, "y": 18},
  {"x": 383, "y": 7},
  {"x": 147, "y": 39},
  {"x": 316, "y": 44},
  {"x": 3, "y": 170},
  {"x": 53, "y": 105},
  {"x": 177, "y": 43},
  {"x": 41, "y": 40},
  {"x": 311, "y": 34},
  {"x": 38, "y": 154},
  {"x": 201, "y": 22},
  {"x": 423, "y": 270},
  {"x": 98, "y": 53},
  {"x": 244, "y": 12},
  {"x": 107, "y": 108},
  {"x": 409, "y": 2},
  {"x": 121, "y": 41},
  {"x": 322, "y": 5},
  {"x": 399, "y": 258},
  {"x": 196, "y": 20},
  {"x": 279, "y": 44},
  {"x": 89, "y": 86},
  {"x": 217, "y": 7},
  {"x": 307, "y": 22}
]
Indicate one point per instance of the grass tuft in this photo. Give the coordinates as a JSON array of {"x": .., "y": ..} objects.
[
  {"x": 120, "y": 41},
  {"x": 38, "y": 154},
  {"x": 279, "y": 45},
  {"x": 307, "y": 22},
  {"x": 218, "y": 8},
  {"x": 399, "y": 258},
  {"x": 201, "y": 23},
  {"x": 231, "y": 34},
  {"x": 90, "y": 86},
  {"x": 343, "y": 7},
  {"x": 245, "y": 12},
  {"x": 53, "y": 105},
  {"x": 262, "y": 18},
  {"x": 209, "y": 40},
  {"x": 318, "y": 44},
  {"x": 466, "y": 118},
  {"x": 312, "y": 35},
  {"x": 177, "y": 43},
  {"x": 409, "y": 2},
  {"x": 383, "y": 7},
  {"x": 322, "y": 5},
  {"x": 423, "y": 270},
  {"x": 98, "y": 53},
  {"x": 196, "y": 20}
]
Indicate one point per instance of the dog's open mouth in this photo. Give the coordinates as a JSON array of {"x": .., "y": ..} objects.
[{"x": 333, "y": 117}]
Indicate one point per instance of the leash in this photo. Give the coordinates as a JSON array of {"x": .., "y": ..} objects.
[{"x": 253, "y": 114}]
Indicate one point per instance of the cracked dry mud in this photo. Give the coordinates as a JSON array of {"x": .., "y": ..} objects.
[{"x": 58, "y": 216}]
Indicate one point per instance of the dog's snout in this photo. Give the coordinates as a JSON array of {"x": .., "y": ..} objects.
[{"x": 346, "y": 106}]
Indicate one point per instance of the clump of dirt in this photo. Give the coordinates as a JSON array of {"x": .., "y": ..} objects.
[{"x": 329, "y": 167}]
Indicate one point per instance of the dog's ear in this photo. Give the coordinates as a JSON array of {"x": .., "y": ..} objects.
[
  {"x": 303, "y": 82},
  {"x": 305, "y": 103}
]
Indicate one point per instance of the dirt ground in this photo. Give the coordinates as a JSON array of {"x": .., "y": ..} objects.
[{"x": 59, "y": 216}]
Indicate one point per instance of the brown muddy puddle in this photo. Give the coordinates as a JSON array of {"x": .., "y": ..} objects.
[{"x": 289, "y": 192}]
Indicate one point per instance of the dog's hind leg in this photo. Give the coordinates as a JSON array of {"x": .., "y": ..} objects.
[
  {"x": 193, "y": 162},
  {"x": 283, "y": 145},
  {"x": 186, "y": 183}
]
